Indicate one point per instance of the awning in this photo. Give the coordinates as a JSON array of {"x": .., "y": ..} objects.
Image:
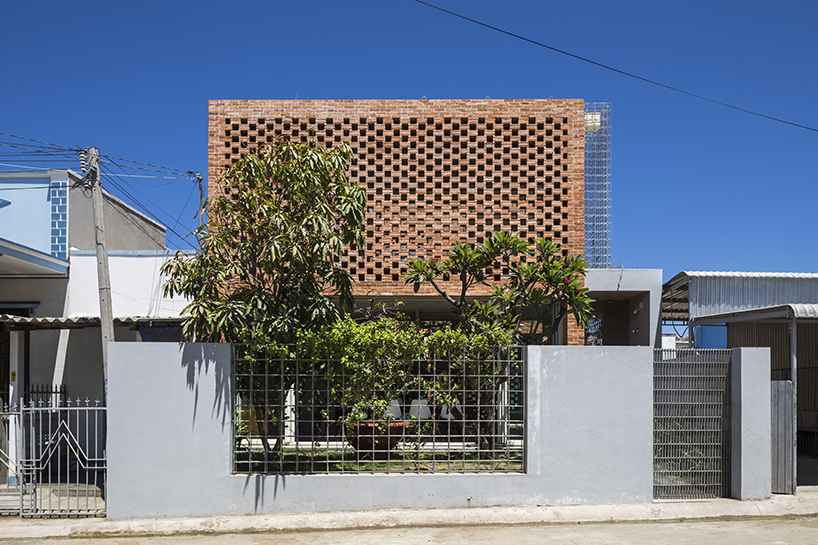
[
  {"x": 20, "y": 323},
  {"x": 775, "y": 314},
  {"x": 18, "y": 261}
]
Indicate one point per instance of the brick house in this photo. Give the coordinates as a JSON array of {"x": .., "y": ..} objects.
[{"x": 436, "y": 172}]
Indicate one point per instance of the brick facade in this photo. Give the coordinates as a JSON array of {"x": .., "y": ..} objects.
[{"x": 436, "y": 172}]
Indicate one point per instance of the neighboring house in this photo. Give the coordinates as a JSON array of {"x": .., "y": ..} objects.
[
  {"x": 49, "y": 303},
  {"x": 749, "y": 309},
  {"x": 439, "y": 172}
]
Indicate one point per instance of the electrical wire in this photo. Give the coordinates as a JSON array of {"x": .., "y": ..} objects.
[
  {"x": 41, "y": 151},
  {"x": 618, "y": 71},
  {"x": 145, "y": 209},
  {"x": 34, "y": 154},
  {"x": 173, "y": 179},
  {"x": 26, "y": 188},
  {"x": 38, "y": 141},
  {"x": 147, "y": 233},
  {"x": 184, "y": 206},
  {"x": 20, "y": 166},
  {"x": 112, "y": 159},
  {"x": 114, "y": 176}
]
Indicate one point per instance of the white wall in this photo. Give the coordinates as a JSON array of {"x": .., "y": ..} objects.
[
  {"x": 50, "y": 293},
  {"x": 136, "y": 285},
  {"x": 73, "y": 357}
]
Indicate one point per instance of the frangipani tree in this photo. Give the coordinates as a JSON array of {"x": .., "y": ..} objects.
[{"x": 541, "y": 287}]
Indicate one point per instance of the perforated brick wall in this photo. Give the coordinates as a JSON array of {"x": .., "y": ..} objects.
[{"x": 436, "y": 172}]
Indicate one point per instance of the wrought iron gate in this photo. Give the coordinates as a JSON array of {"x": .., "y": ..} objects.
[
  {"x": 692, "y": 424},
  {"x": 52, "y": 460}
]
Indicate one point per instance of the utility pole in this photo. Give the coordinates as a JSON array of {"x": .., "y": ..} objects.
[{"x": 103, "y": 277}]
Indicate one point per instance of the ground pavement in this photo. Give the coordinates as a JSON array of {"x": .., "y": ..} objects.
[{"x": 782, "y": 519}]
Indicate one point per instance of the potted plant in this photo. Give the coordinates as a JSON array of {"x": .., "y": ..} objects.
[{"x": 365, "y": 367}]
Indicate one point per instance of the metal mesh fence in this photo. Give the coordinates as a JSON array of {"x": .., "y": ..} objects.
[
  {"x": 691, "y": 430},
  {"x": 598, "y": 184},
  {"x": 309, "y": 415}
]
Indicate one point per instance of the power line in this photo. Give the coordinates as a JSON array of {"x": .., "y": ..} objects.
[
  {"x": 136, "y": 201},
  {"x": 184, "y": 206},
  {"x": 173, "y": 179},
  {"x": 20, "y": 166},
  {"x": 36, "y": 154},
  {"x": 39, "y": 150},
  {"x": 618, "y": 71},
  {"x": 38, "y": 141},
  {"x": 26, "y": 188},
  {"x": 112, "y": 159},
  {"x": 145, "y": 209}
]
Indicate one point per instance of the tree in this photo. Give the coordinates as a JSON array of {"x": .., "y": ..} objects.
[
  {"x": 541, "y": 288},
  {"x": 268, "y": 264},
  {"x": 269, "y": 248}
]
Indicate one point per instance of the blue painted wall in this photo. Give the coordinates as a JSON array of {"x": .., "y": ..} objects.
[
  {"x": 27, "y": 218},
  {"x": 711, "y": 336}
]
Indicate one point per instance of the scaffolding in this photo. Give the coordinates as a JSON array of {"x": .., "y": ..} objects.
[{"x": 598, "y": 184}]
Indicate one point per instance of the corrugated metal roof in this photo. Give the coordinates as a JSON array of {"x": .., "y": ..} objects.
[
  {"x": 733, "y": 274},
  {"x": 777, "y": 313},
  {"x": 11, "y": 322},
  {"x": 805, "y": 311},
  {"x": 717, "y": 294},
  {"x": 703, "y": 293}
]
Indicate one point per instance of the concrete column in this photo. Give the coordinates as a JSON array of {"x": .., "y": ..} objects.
[
  {"x": 16, "y": 385},
  {"x": 751, "y": 433}
]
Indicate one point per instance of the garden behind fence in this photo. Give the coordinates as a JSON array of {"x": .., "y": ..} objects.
[{"x": 300, "y": 414}]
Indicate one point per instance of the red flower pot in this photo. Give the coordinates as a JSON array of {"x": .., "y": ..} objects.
[{"x": 375, "y": 439}]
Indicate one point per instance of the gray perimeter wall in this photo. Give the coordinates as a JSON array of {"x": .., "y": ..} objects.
[
  {"x": 589, "y": 434},
  {"x": 751, "y": 458}
]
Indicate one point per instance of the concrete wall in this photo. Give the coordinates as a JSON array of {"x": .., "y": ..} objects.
[
  {"x": 642, "y": 288},
  {"x": 589, "y": 440},
  {"x": 27, "y": 219},
  {"x": 50, "y": 293},
  {"x": 125, "y": 228},
  {"x": 136, "y": 284},
  {"x": 751, "y": 478}
]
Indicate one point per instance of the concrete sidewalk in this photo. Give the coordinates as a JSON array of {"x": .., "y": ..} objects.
[{"x": 805, "y": 503}]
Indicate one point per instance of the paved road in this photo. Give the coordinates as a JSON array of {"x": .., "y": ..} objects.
[{"x": 777, "y": 531}]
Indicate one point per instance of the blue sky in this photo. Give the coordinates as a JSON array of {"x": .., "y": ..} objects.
[{"x": 696, "y": 186}]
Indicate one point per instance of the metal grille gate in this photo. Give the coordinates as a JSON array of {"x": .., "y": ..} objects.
[
  {"x": 691, "y": 424},
  {"x": 52, "y": 460}
]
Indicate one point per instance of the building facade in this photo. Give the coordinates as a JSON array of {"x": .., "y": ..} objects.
[{"x": 437, "y": 172}]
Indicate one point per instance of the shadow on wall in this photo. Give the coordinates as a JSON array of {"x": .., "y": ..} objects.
[
  {"x": 197, "y": 361},
  {"x": 259, "y": 482}
]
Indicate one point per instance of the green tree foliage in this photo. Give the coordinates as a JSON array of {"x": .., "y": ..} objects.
[
  {"x": 541, "y": 288},
  {"x": 363, "y": 367},
  {"x": 268, "y": 248},
  {"x": 267, "y": 263}
]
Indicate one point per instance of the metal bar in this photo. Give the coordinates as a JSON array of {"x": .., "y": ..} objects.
[
  {"x": 691, "y": 423},
  {"x": 794, "y": 378},
  {"x": 480, "y": 427}
]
